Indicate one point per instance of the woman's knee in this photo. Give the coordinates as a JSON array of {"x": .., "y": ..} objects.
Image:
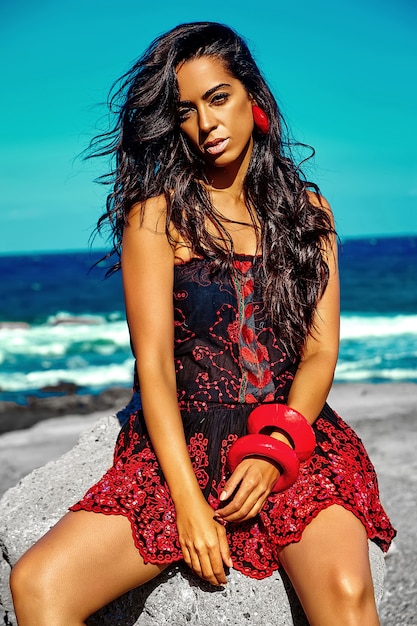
[
  {"x": 351, "y": 589},
  {"x": 30, "y": 579}
]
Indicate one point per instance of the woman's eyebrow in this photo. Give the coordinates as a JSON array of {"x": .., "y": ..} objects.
[
  {"x": 209, "y": 92},
  {"x": 206, "y": 95}
]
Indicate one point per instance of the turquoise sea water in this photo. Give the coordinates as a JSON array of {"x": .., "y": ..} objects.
[{"x": 61, "y": 322}]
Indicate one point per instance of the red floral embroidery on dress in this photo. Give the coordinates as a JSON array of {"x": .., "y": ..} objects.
[{"x": 224, "y": 344}]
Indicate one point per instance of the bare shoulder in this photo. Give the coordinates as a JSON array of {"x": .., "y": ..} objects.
[
  {"x": 318, "y": 200},
  {"x": 149, "y": 214},
  {"x": 145, "y": 236}
]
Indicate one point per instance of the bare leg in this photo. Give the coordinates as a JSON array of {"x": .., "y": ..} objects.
[
  {"x": 79, "y": 566},
  {"x": 330, "y": 571}
]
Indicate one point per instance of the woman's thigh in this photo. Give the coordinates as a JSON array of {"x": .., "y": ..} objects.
[
  {"x": 330, "y": 569},
  {"x": 81, "y": 564}
]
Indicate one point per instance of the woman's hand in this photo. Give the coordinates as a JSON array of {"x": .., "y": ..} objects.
[
  {"x": 203, "y": 541},
  {"x": 253, "y": 479}
]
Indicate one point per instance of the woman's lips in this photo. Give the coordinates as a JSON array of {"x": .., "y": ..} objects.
[{"x": 216, "y": 147}]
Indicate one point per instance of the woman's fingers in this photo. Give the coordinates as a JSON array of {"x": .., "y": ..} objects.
[
  {"x": 251, "y": 473},
  {"x": 186, "y": 556},
  {"x": 247, "y": 513},
  {"x": 242, "y": 504},
  {"x": 255, "y": 478},
  {"x": 224, "y": 548},
  {"x": 206, "y": 557},
  {"x": 212, "y": 568},
  {"x": 208, "y": 564},
  {"x": 233, "y": 482}
]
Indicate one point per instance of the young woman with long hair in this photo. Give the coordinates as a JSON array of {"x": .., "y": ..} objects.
[{"x": 229, "y": 455}]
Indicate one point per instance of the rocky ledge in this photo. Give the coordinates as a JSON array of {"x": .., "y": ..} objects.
[{"x": 61, "y": 399}]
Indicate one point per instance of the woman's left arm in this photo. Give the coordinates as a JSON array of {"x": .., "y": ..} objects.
[
  {"x": 315, "y": 373},
  {"x": 255, "y": 477}
]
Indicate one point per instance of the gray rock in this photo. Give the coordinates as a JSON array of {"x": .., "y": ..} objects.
[
  {"x": 176, "y": 597},
  {"x": 14, "y": 416}
]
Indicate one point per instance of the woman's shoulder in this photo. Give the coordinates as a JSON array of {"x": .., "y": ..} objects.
[
  {"x": 317, "y": 200},
  {"x": 149, "y": 213}
]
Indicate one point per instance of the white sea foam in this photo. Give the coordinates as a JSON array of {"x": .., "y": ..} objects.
[
  {"x": 48, "y": 340},
  {"x": 104, "y": 336},
  {"x": 64, "y": 317},
  {"x": 361, "y": 374},
  {"x": 92, "y": 376},
  {"x": 361, "y": 326},
  {"x": 93, "y": 352}
]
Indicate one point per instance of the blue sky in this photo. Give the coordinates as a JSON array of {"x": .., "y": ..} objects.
[{"x": 344, "y": 74}]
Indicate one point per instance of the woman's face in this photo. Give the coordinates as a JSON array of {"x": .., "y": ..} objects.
[{"x": 215, "y": 111}]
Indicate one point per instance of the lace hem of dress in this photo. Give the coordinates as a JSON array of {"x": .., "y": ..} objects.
[
  {"x": 269, "y": 561},
  {"x": 339, "y": 472}
]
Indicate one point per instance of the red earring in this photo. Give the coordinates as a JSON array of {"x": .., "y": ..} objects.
[{"x": 260, "y": 119}]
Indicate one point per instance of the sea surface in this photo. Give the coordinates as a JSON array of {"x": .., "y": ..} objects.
[{"x": 60, "y": 320}]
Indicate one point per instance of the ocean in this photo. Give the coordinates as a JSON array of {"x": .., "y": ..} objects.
[{"x": 61, "y": 321}]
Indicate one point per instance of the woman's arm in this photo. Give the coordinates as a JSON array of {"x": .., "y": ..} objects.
[
  {"x": 147, "y": 269},
  {"x": 314, "y": 375},
  {"x": 308, "y": 394}
]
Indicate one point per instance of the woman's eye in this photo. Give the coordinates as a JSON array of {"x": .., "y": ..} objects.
[
  {"x": 184, "y": 114},
  {"x": 219, "y": 98}
]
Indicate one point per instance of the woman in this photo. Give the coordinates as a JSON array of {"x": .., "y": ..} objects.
[{"x": 208, "y": 205}]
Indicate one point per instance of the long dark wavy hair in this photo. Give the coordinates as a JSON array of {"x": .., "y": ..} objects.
[{"x": 153, "y": 158}]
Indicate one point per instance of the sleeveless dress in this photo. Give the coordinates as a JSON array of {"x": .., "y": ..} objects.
[{"x": 228, "y": 360}]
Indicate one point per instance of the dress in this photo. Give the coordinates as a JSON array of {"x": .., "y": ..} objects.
[{"x": 228, "y": 360}]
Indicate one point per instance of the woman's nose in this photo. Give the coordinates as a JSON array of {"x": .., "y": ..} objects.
[{"x": 206, "y": 120}]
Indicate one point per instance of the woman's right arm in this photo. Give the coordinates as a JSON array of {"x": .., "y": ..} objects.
[{"x": 148, "y": 269}]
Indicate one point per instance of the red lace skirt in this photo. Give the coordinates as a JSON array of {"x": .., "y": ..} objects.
[{"x": 339, "y": 472}]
